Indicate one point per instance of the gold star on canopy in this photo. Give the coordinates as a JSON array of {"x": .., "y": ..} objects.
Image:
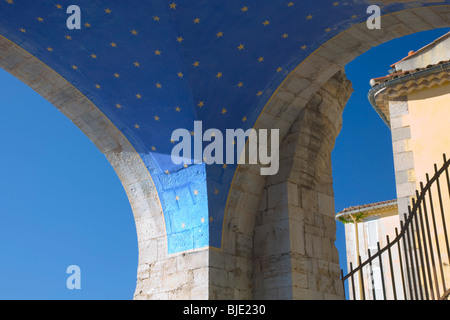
[
  {"x": 22, "y": 30},
  {"x": 139, "y": 96},
  {"x": 196, "y": 20},
  {"x": 244, "y": 119},
  {"x": 216, "y": 192},
  {"x": 196, "y": 64},
  {"x": 137, "y": 64},
  {"x": 219, "y": 75},
  {"x": 113, "y": 44},
  {"x": 74, "y": 67},
  {"x": 39, "y": 19},
  {"x": 180, "y": 39},
  {"x": 134, "y": 32},
  {"x": 156, "y": 118},
  {"x": 87, "y": 25},
  {"x": 177, "y": 109},
  {"x": 137, "y": 126},
  {"x": 68, "y": 37},
  {"x": 285, "y": 35},
  {"x": 93, "y": 56},
  {"x": 201, "y": 104},
  {"x": 156, "y": 18},
  {"x": 58, "y": 6},
  {"x": 327, "y": 30},
  {"x": 261, "y": 59},
  {"x": 224, "y": 166},
  {"x": 118, "y": 106},
  {"x": 244, "y": 9},
  {"x": 108, "y": 11},
  {"x": 219, "y": 34},
  {"x": 279, "y": 69},
  {"x": 266, "y": 23},
  {"x": 158, "y": 85},
  {"x": 180, "y": 75},
  {"x": 336, "y": 4},
  {"x": 303, "y": 47},
  {"x": 259, "y": 93},
  {"x": 9, "y": 1},
  {"x": 98, "y": 86},
  {"x": 240, "y": 84},
  {"x": 116, "y": 75},
  {"x": 241, "y": 47},
  {"x": 50, "y": 49},
  {"x": 309, "y": 17},
  {"x": 290, "y": 4},
  {"x": 157, "y": 52},
  {"x": 153, "y": 148},
  {"x": 224, "y": 111}
]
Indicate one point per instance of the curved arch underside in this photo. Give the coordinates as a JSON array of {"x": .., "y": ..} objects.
[{"x": 137, "y": 71}]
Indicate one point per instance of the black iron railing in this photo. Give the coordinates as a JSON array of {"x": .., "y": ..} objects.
[{"x": 415, "y": 265}]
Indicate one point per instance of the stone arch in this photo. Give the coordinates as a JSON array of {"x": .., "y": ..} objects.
[
  {"x": 301, "y": 239},
  {"x": 309, "y": 101},
  {"x": 126, "y": 162}
]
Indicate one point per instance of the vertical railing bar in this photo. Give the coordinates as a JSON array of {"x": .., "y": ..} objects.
[
  {"x": 419, "y": 244},
  {"x": 362, "y": 279},
  {"x": 352, "y": 281},
  {"x": 410, "y": 251},
  {"x": 441, "y": 206},
  {"x": 442, "y": 211},
  {"x": 405, "y": 250},
  {"x": 343, "y": 282},
  {"x": 401, "y": 265},
  {"x": 391, "y": 267},
  {"x": 427, "y": 260},
  {"x": 371, "y": 270},
  {"x": 425, "y": 212},
  {"x": 381, "y": 271},
  {"x": 413, "y": 238},
  {"x": 436, "y": 239}
]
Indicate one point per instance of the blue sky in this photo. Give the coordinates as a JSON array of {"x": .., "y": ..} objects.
[{"x": 61, "y": 202}]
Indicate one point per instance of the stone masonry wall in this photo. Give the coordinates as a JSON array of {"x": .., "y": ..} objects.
[{"x": 294, "y": 254}]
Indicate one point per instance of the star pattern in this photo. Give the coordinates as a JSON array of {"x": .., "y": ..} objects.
[{"x": 155, "y": 66}]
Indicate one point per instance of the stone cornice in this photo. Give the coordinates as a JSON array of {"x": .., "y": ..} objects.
[{"x": 413, "y": 82}]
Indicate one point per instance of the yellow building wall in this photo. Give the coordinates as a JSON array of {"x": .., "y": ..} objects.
[{"x": 429, "y": 117}]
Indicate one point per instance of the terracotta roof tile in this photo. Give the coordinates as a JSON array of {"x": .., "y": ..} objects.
[
  {"x": 376, "y": 81},
  {"x": 413, "y": 53},
  {"x": 365, "y": 206}
]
